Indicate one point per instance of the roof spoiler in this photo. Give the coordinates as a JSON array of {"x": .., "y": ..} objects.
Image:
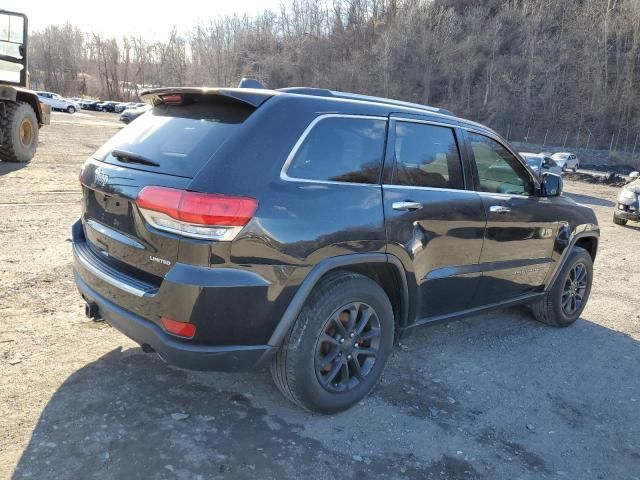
[{"x": 249, "y": 96}]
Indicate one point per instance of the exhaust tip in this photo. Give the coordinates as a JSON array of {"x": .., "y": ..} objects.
[{"x": 92, "y": 311}]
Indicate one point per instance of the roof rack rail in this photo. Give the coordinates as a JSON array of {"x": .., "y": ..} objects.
[
  {"x": 323, "y": 92},
  {"x": 318, "y": 92},
  {"x": 389, "y": 101}
]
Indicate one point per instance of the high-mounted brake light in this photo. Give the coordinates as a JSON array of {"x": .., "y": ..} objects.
[
  {"x": 197, "y": 215},
  {"x": 172, "y": 99},
  {"x": 180, "y": 329}
]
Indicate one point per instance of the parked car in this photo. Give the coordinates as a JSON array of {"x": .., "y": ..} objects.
[
  {"x": 106, "y": 106},
  {"x": 628, "y": 204},
  {"x": 57, "y": 102},
  {"x": 121, "y": 107},
  {"x": 130, "y": 114},
  {"x": 541, "y": 164},
  {"x": 89, "y": 104},
  {"x": 567, "y": 161},
  {"x": 307, "y": 230}
]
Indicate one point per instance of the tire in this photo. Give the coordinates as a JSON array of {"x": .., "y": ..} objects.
[
  {"x": 296, "y": 367},
  {"x": 575, "y": 169},
  {"x": 71, "y": 109},
  {"x": 619, "y": 221},
  {"x": 550, "y": 309},
  {"x": 564, "y": 168},
  {"x": 20, "y": 131}
]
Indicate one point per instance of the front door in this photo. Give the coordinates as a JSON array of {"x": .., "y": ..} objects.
[
  {"x": 433, "y": 224},
  {"x": 519, "y": 238}
]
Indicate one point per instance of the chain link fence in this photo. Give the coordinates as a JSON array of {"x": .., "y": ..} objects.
[{"x": 621, "y": 147}]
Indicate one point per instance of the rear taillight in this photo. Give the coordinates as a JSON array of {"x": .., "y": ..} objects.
[{"x": 197, "y": 215}]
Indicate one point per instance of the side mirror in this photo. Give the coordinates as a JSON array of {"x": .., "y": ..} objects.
[
  {"x": 634, "y": 175},
  {"x": 551, "y": 185}
]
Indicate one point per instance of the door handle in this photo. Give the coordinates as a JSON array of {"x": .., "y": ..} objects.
[
  {"x": 406, "y": 205},
  {"x": 499, "y": 209}
]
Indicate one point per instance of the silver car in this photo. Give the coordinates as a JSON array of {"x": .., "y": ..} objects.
[
  {"x": 628, "y": 204},
  {"x": 541, "y": 164},
  {"x": 566, "y": 161}
]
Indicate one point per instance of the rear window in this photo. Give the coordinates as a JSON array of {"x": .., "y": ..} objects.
[{"x": 180, "y": 139}]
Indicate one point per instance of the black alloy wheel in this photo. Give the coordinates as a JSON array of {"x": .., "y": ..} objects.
[
  {"x": 347, "y": 350},
  {"x": 575, "y": 288}
]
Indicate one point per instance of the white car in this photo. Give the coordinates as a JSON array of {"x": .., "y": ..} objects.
[
  {"x": 541, "y": 164},
  {"x": 567, "y": 161},
  {"x": 58, "y": 102},
  {"x": 628, "y": 204}
]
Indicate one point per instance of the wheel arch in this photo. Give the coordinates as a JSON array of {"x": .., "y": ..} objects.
[
  {"x": 386, "y": 270},
  {"x": 14, "y": 94},
  {"x": 32, "y": 99},
  {"x": 585, "y": 239}
]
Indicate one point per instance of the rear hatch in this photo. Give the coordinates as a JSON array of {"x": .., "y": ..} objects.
[{"x": 165, "y": 147}]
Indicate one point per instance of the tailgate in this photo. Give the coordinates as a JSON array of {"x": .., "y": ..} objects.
[{"x": 113, "y": 225}]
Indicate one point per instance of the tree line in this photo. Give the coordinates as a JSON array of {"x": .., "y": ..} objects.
[{"x": 516, "y": 65}]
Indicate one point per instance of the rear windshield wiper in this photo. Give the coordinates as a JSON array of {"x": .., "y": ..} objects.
[{"x": 129, "y": 157}]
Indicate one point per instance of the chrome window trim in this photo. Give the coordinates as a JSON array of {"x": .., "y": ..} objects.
[
  {"x": 434, "y": 189},
  {"x": 427, "y": 122},
  {"x": 300, "y": 141},
  {"x": 510, "y": 195}
]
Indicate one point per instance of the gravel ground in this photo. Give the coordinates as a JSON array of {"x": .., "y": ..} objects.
[{"x": 496, "y": 396}]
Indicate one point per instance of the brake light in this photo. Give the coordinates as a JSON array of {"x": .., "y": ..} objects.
[
  {"x": 172, "y": 99},
  {"x": 181, "y": 329},
  {"x": 197, "y": 215}
]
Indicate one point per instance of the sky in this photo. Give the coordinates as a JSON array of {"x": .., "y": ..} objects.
[{"x": 150, "y": 19}]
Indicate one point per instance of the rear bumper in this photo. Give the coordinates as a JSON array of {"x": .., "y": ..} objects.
[{"x": 174, "y": 351}]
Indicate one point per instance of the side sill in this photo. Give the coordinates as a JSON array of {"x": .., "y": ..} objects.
[{"x": 531, "y": 297}]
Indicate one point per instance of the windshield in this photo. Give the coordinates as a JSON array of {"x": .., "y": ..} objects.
[
  {"x": 179, "y": 138},
  {"x": 560, "y": 156},
  {"x": 12, "y": 66},
  {"x": 533, "y": 161}
]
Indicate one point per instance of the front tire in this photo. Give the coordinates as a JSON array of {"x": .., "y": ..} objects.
[
  {"x": 335, "y": 353},
  {"x": 71, "y": 109},
  {"x": 20, "y": 133},
  {"x": 563, "y": 304}
]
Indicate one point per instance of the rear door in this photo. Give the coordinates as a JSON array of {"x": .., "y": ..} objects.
[
  {"x": 166, "y": 147},
  {"x": 519, "y": 238},
  {"x": 433, "y": 224}
]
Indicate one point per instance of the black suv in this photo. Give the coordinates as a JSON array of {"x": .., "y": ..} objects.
[{"x": 307, "y": 230}]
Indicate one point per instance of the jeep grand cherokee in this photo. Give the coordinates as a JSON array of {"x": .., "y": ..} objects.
[{"x": 307, "y": 230}]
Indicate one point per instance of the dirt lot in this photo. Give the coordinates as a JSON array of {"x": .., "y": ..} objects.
[{"x": 497, "y": 396}]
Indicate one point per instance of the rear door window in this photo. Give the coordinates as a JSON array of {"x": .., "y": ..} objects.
[
  {"x": 178, "y": 139},
  {"x": 426, "y": 156},
  {"x": 341, "y": 149}
]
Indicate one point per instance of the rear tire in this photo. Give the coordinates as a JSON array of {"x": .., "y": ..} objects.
[
  {"x": 20, "y": 131},
  {"x": 563, "y": 304},
  {"x": 619, "y": 221},
  {"x": 316, "y": 346}
]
